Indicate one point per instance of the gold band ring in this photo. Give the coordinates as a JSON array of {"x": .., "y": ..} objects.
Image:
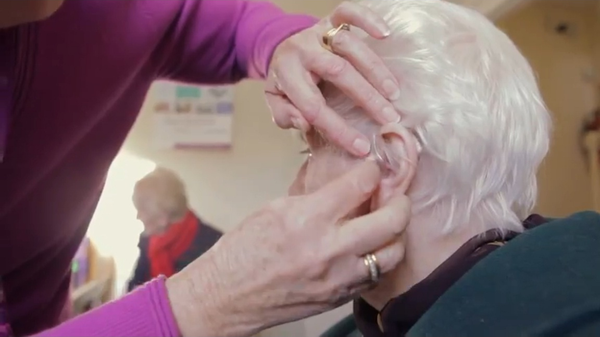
[
  {"x": 371, "y": 263},
  {"x": 328, "y": 37}
]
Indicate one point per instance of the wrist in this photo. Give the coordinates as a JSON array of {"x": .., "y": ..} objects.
[
  {"x": 274, "y": 34},
  {"x": 193, "y": 306},
  {"x": 203, "y": 306}
]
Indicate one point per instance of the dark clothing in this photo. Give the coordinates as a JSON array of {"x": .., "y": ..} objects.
[
  {"x": 402, "y": 312},
  {"x": 545, "y": 282},
  {"x": 205, "y": 238}
]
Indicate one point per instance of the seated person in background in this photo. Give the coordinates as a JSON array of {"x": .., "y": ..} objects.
[
  {"x": 173, "y": 235},
  {"x": 473, "y": 131}
]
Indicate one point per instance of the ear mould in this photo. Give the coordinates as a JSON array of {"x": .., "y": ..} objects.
[{"x": 380, "y": 153}]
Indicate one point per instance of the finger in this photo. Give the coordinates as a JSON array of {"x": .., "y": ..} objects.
[
  {"x": 345, "y": 194},
  {"x": 307, "y": 98},
  {"x": 361, "y": 17},
  {"x": 370, "y": 232},
  {"x": 348, "y": 79},
  {"x": 272, "y": 84},
  {"x": 368, "y": 63},
  {"x": 285, "y": 114},
  {"x": 387, "y": 258}
]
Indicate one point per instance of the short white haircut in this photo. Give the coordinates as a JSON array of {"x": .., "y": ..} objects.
[
  {"x": 165, "y": 189},
  {"x": 472, "y": 101}
]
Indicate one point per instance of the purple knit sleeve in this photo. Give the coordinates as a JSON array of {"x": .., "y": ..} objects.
[
  {"x": 220, "y": 42},
  {"x": 144, "y": 312}
]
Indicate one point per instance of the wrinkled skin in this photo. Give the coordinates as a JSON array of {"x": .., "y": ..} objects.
[
  {"x": 300, "y": 255},
  {"x": 294, "y": 258},
  {"x": 301, "y": 62},
  {"x": 325, "y": 162}
]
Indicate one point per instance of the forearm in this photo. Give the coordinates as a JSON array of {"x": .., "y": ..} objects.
[
  {"x": 204, "y": 306},
  {"x": 144, "y": 312},
  {"x": 191, "y": 303},
  {"x": 261, "y": 30},
  {"x": 222, "y": 42}
]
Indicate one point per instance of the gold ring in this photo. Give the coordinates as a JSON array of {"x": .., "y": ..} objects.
[
  {"x": 328, "y": 37},
  {"x": 371, "y": 263}
]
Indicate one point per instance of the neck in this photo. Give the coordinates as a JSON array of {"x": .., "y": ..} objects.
[{"x": 426, "y": 249}]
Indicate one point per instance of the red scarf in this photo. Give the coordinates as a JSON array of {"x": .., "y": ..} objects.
[{"x": 166, "y": 248}]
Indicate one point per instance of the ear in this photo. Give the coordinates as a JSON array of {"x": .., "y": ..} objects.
[{"x": 400, "y": 150}]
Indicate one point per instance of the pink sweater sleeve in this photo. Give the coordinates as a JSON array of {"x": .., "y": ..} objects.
[
  {"x": 210, "y": 41},
  {"x": 144, "y": 312},
  {"x": 216, "y": 41}
]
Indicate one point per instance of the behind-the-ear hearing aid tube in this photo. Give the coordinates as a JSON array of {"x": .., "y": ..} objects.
[
  {"x": 381, "y": 156},
  {"x": 378, "y": 154}
]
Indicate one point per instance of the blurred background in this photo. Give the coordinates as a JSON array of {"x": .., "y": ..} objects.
[{"x": 561, "y": 39}]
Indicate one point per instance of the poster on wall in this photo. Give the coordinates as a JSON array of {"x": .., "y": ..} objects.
[{"x": 191, "y": 116}]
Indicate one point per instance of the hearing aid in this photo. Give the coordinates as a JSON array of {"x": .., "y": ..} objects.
[{"x": 379, "y": 153}]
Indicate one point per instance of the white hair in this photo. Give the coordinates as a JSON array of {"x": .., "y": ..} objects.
[
  {"x": 166, "y": 190},
  {"x": 472, "y": 101}
]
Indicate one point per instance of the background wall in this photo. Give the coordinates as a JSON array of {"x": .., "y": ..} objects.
[
  {"x": 226, "y": 185},
  {"x": 560, "y": 61},
  {"x": 596, "y": 42}
]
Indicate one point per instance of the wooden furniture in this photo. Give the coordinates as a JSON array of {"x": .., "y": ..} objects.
[
  {"x": 100, "y": 285},
  {"x": 592, "y": 145}
]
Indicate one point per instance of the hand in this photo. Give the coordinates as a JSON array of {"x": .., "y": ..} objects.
[
  {"x": 295, "y": 258},
  {"x": 301, "y": 62}
]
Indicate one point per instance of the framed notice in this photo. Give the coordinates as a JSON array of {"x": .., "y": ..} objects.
[{"x": 189, "y": 116}]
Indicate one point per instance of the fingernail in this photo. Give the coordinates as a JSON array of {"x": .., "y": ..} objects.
[
  {"x": 391, "y": 115},
  {"x": 391, "y": 90},
  {"x": 362, "y": 146},
  {"x": 385, "y": 31}
]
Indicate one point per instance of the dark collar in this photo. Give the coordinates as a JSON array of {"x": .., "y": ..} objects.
[{"x": 403, "y": 311}]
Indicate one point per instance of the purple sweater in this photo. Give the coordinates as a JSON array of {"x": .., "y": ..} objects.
[{"x": 70, "y": 89}]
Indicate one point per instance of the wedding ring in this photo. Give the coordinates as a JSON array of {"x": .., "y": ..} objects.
[
  {"x": 371, "y": 263},
  {"x": 328, "y": 37}
]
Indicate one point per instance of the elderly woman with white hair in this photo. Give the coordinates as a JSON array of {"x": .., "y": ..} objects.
[
  {"x": 473, "y": 131},
  {"x": 174, "y": 236}
]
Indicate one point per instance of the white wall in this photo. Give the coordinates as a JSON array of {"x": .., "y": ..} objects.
[
  {"x": 114, "y": 228},
  {"x": 492, "y": 8},
  {"x": 560, "y": 62}
]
